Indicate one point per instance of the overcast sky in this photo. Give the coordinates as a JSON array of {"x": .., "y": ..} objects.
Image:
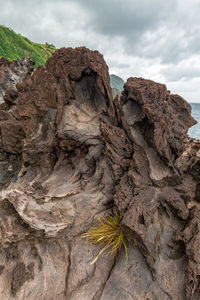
[{"x": 154, "y": 39}]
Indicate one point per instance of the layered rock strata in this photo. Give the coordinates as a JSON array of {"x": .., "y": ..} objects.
[{"x": 68, "y": 154}]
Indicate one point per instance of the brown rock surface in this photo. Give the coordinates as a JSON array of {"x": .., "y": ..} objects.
[
  {"x": 11, "y": 131},
  {"x": 68, "y": 154}
]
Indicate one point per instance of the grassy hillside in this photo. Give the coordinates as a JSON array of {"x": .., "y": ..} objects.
[{"x": 15, "y": 46}]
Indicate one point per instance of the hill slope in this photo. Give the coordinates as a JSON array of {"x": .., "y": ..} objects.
[
  {"x": 16, "y": 46},
  {"x": 116, "y": 82}
]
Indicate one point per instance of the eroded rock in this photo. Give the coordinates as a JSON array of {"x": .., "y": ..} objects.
[
  {"x": 68, "y": 154},
  {"x": 12, "y": 73}
]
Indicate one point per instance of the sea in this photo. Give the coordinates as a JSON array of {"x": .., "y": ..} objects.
[{"x": 194, "y": 131}]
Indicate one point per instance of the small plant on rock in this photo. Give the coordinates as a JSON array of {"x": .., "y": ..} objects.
[{"x": 108, "y": 233}]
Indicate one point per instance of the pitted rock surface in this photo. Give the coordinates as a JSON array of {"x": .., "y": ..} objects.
[{"x": 69, "y": 153}]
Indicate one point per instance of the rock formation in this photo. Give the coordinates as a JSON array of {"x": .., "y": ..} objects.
[
  {"x": 13, "y": 72},
  {"x": 68, "y": 154}
]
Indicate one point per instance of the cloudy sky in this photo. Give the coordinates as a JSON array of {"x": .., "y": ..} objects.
[{"x": 154, "y": 39}]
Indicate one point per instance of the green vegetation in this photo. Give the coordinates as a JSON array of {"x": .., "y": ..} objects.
[
  {"x": 108, "y": 233},
  {"x": 16, "y": 46}
]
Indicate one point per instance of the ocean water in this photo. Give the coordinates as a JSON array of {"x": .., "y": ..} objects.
[{"x": 194, "y": 131}]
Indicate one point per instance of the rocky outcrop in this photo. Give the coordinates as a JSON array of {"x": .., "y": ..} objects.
[
  {"x": 13, "y": 72},
  {"x": 69, "y": 154},
  {"x": 11, "y": 132}
]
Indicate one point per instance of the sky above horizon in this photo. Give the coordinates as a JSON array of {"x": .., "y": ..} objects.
[{"x": 153, "y": 39}]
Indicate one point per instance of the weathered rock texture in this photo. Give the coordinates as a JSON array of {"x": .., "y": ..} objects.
[
  {"x": 13, "y": 72},
  {"x": 68, "y": 154}
]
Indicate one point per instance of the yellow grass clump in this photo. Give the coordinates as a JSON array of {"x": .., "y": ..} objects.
[{"x": 108, "y": 233}]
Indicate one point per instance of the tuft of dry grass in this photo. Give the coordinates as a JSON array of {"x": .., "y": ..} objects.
[{"x": 108, "y": 233}]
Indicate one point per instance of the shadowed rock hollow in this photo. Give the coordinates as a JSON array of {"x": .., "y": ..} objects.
[{"x": 68, "y": 154}]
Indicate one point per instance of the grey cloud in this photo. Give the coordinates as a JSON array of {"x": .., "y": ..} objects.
[
  {"x": 122, "y": 66},
  {"x": 181, "y": 73},
  {"x": 130, "y": 18},
  {"x": 172, "y": 47},
  {"x": 139, "y": 37},
  {"x": 133, "y": 20},
  {"x": 136, "y": 20},
  {"x": 178, "y": 37}
]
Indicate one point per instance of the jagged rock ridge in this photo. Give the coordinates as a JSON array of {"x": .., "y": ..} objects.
[{"x": 69, "y": 154}]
